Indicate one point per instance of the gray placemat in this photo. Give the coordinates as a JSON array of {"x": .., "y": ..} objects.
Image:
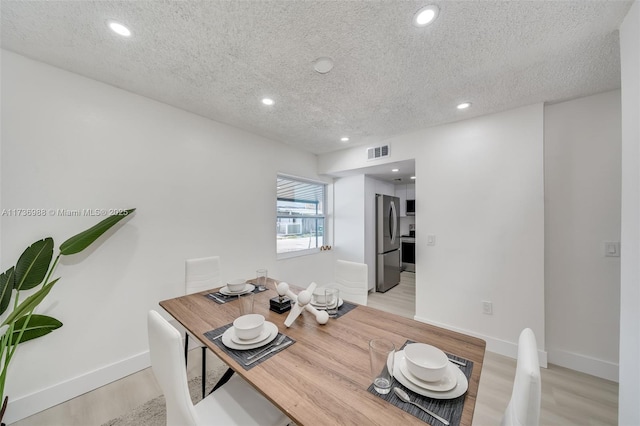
[
  {"x": 220, "y": 298},
  {"x": 241, "y": 356},
  {"x": 450, "y": 409},
  {"x": 345, "y": 309}
]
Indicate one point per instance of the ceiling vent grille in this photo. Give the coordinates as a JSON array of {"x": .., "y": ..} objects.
[{"x": 377, "y": 152}]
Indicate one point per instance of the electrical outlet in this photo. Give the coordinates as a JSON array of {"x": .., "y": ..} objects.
[{"x": 487, "y": 308}]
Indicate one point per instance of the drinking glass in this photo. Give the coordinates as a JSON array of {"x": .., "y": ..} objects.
[
  {"x": 245, "y": 303},
  {"x": 332, "y": 300},
  {"x": 382, "y": 354},
  {"x": 262, "y": 279}
]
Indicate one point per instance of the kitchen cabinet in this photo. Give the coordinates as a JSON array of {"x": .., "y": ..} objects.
[
  {"x": 411, "y": 192},
  {"x": 405, "y": 192},
  {"x": 401, "y": 193}
]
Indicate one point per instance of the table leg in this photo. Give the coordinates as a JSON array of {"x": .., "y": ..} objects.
[{"x": 224, "y": 379}]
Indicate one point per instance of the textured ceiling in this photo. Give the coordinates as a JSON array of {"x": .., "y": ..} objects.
[{"x": 219, "y": 58}]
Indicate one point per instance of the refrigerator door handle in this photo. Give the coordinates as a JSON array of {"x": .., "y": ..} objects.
[{"x": 393, "y": 221}]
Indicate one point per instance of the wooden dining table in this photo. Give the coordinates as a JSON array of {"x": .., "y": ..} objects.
[{"x": 322, "y": 379}]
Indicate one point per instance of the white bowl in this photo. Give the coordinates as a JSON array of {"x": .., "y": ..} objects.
[
  {"x": 318, "y": 296},
  {"x": 248, "y": 326},
  {"x": 236, "y": 284},
  {"x": 426, "y": 362}
]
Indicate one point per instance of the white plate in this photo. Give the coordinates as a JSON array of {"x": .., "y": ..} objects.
[
  {"x": 448, "y": 382},
  {"x": 247, "y": 288},
  {"x": 264, "y": 334},
  {"x": 228, "y": 342},
  {"x": 461, "y": 386},
  {"x": 321, "y": 305}
]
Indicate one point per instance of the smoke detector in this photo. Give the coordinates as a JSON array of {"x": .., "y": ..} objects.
[{"x": 323, "y": 65}]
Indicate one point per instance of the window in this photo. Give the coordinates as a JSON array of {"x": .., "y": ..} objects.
[{"x": 299, "y": 214}]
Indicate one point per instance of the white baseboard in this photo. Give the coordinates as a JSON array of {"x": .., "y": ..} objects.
[
  {"x": 28, "y": 405},
  {"x": 25, "y": 406},
  {"x": 495, "y": 345},
  {"x": 585, "y": 364}
]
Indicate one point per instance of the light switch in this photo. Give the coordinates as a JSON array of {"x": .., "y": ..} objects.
[
  {"x": 431, "y": 240},
  {"x": 612, "y": 249}
]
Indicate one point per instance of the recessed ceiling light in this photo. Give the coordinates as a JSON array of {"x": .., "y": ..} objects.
[
  {"x": 344, "y": 139},
  {"x": 323, "y": 65},
  {"x": 268, "y": 101},
  {"x": 119, "y": 29},
  {"x": 413, "y": 177},
  {"x": 395, "y": 170},
  {"x": 425, "y": 16},
  {"x": 464, "y": 105}
]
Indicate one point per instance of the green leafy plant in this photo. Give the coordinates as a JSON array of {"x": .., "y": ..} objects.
[{"x": 34, "y": 267}]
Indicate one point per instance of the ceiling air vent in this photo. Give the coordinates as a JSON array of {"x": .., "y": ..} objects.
[{"x": 377, "y": 152}]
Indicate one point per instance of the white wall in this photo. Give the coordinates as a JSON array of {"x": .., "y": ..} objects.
[
  {"x": 481, "y": 193},
  {"x": 629, "y": 393},
  {"x": 369, "y": 242},
  {"x": 349, "y": 160},
  {"x": 200, "y": 187},
  {"x": 582, "y": 211},
  {"x": 349, "y": 203},
  {"x": 355, "y": 204}
]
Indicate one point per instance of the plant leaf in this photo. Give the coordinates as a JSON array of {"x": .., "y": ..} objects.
[
  {"x": 7, "y": 280},
  {"x": 38, "y": 326},
  {"x": 33, "y": 264},
  {"x": 30, "y": 303},
  {"x": 79, "y": 242}
]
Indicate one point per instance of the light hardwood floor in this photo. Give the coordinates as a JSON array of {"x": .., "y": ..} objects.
[
  {"x": 400, "y": 300},
  {"x": 568, "y": 397}
]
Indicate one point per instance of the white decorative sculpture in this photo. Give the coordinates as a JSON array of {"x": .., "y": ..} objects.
[{"x": 301, "y": 303}]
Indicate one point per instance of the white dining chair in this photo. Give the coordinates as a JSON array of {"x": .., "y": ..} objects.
[
  {"x": 234, "y": 403},
  {"x": 351, "y": 278},
  {"x": 201, "y": 274},
  {"x": 524, "y": 406}
]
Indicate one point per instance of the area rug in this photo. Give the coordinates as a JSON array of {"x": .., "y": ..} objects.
[{"x": 152, "y": 413}]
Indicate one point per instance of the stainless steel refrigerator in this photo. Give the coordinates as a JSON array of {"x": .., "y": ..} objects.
[{"x": 387, "y": 242}]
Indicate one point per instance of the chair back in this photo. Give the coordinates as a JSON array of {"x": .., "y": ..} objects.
[
  {"x": 167, "y": 363},
  {"x": 202, "y": 274},
  {"x": 524, "y": 406},
  {"x": 351, "y": 278}
]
